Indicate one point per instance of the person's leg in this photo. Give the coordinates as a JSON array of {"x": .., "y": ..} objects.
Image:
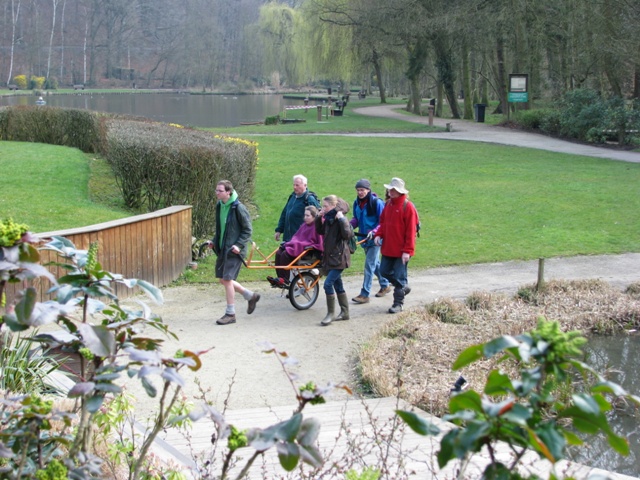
[
  {"x": 229, "y": 292},
  {"x": 370, "y": 264},
  {"x": 343, "y": 300},
  {"x": 386, "y": 269},
  {"x": 384, "y": 283},
  {"x": 230, "y": 271},
  {"x": 282, "y": 259},
  {"x": 230, "y": 312},
  {"x": 329, "y": 281},
  {"x": 400, "y": 281}
]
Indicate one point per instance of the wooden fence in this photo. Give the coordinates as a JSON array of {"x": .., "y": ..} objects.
[{"x": 155, "y": 247}]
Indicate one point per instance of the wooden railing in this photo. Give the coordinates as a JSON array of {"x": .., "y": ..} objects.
[{"x": 155, "y": 247}]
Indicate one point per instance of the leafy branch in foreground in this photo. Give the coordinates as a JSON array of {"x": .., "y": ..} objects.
[
  {"x": 295, "y": 439},
  {"x": 525, "y": 413},
  {"x": 110, "y": 340}
]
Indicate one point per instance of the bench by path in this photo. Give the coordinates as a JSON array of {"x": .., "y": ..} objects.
[{"x": 347, "y": 429}]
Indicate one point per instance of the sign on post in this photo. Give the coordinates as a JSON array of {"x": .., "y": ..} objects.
[{"x": 518, "y": 87}]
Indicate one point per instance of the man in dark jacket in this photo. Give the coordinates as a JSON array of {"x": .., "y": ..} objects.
[
  {"x": 292, "y": 214},
  {"x": 230, "y": 243}
]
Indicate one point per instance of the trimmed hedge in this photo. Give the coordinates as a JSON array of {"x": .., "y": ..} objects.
[
  {"x": 56, "y": 126},
  {"x": 156, "y": 165},
  {"x": 585, "y": 115}
]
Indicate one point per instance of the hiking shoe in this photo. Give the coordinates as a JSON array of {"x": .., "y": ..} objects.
[
  {"x": 251, "y": 305},
  {"x": 282, "y": 282},
  {"x": 226, "y": 319},
  {"x": 407, "y": 290},
  {"x": 360, "y": 299},
  {"x": 384, "y": 291},
  {"x": 396, "y": 308}
]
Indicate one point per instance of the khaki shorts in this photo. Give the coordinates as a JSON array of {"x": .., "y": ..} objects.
[{"x": 228, "y": 266}]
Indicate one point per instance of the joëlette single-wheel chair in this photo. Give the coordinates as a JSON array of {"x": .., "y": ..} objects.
[{"x": 304, "y": 275}]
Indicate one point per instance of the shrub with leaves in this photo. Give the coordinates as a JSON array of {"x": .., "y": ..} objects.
[
  {"x": 158, "y": 165},
  {"x": 36, "y": 83},
  {"x": 70, "y": 127},
  {"x": 525, "y": 413},
  {"x": 21, "y": 81},
  {"x": 111, "y": 341}
]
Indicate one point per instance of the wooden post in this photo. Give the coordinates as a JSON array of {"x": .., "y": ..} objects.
[
  {"x": 319, "y": 107},
  {"x": 540, "y": 284}
]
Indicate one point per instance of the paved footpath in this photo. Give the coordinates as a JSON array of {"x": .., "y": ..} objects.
[
  {"x": 326, "y": 354},
  {"x": 481, "y": 132}
]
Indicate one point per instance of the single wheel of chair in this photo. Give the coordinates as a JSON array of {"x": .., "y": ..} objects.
[{"x": 303, "y": 291}]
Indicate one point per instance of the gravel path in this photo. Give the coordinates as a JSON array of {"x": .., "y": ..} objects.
[{"x": 326, "y": 354}]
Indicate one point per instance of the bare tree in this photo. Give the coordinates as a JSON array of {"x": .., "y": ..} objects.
[
  {"x": 15, "y": 13},
  {"x": 54, "y": 4}
]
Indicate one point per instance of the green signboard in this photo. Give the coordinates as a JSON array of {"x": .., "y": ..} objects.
[{"x": 516, "y": 97}]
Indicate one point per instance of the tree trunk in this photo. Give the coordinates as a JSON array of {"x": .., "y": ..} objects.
[
  {"x": 501, "y": 86},
  {"x": 15, "y": 12},
  {"x": 54, "y": 4},
  {"x": 416, "y": 98},
  {"x": 466, "y": 83},
  {"x": 378, "y": 69},
  {"x": 446, "y": 72},
  {"x": 440, "y": 98}
]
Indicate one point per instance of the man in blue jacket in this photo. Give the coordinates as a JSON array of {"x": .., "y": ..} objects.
[
  {"x": 292, "y": 214},
  {"x": 367, "y": 208}
]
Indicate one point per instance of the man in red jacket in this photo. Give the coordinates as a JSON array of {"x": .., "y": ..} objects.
[{"x": 397, "y": 235}]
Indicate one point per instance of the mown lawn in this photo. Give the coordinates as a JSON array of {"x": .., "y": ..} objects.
[{"x": 478, "y": 202}]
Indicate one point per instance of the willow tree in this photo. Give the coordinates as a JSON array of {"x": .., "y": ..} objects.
[
  {"x": 281, "y": 29},
  {"x": 333, "y": 55},
  {"x": 368, "y": 36}
]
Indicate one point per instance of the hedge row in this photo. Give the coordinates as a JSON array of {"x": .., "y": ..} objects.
[
  {"x": 156, "y": 165},
  {"x": 585, "y": 115},
  {"x": 56, "y": 126},
  {"x": 159, "y": 165}
]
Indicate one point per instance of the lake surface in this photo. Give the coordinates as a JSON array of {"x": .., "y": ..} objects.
[
  {"x": 181, "y": 108},
  {"x": 617, "y": 356}
]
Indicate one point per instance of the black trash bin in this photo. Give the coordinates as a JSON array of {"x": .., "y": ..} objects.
[{"x": 479, "y": 110}]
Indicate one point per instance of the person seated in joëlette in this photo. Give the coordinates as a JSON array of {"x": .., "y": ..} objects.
[{"x": 304, "y": 239}]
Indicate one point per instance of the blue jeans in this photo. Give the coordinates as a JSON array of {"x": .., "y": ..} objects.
[
  {"x": 333, "y": 282},
  {"x": 395, "y": 271},
  {"x": 371, "y": 268}
]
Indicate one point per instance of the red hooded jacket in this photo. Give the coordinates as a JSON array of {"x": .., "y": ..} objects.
[{"x": 398, "y": 227}]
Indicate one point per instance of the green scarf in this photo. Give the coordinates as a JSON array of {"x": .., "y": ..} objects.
[{"x": 224, "y": 213}]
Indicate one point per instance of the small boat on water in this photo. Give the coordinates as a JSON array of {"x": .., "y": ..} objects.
[{"x": 41, "y": 101}]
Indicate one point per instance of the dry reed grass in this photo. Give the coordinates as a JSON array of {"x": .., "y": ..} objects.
[{"x": 412, "y": 355}]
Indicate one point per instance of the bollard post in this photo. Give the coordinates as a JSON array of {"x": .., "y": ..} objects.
[
  {"x": 540, "y": 284},
  {"x": 431, "y": 109},
  {"x": 319, "y": 107}
]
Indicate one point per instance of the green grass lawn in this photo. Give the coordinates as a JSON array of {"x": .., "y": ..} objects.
[
  {"x": 47, "y": 187},
  {"x": 478, "y": 202}
]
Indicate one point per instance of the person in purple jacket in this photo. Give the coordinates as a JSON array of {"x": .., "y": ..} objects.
[{"x": 305, "y": 238}]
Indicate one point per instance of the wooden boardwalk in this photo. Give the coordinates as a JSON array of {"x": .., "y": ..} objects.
[{"x": 353, "y": 434}]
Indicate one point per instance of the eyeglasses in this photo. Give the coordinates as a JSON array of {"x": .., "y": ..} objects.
[{"x": 220, "y": 191}]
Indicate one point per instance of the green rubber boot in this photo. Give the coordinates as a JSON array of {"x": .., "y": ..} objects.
[
  {"x": 343, "y": 301},
  {"x": 331, "y": 311}
]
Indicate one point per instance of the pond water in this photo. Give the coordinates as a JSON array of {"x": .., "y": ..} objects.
[
  {"x": 180, "y": 108},
  {"x": 617, "y": 356}
]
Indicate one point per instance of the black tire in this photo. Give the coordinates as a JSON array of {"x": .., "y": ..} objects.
[{"x": 301, "y": 295}]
